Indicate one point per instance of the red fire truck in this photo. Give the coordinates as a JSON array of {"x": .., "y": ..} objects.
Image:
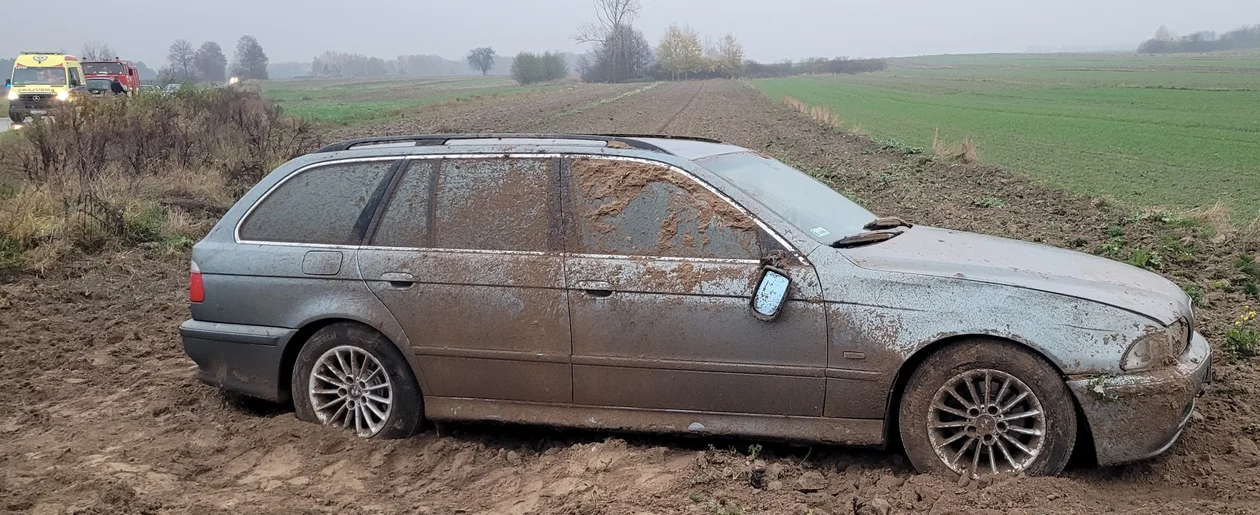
[{"x": 124, "y": 71}]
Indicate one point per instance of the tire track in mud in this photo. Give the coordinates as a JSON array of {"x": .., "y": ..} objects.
[
  {"x": 642, "y": 113},
  {"x": 690, "y": 101}
]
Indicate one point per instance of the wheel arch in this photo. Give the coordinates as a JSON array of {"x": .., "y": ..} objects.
[
  {"x": 308, "y": 329},
  {"x": 1084, "y": 451}
]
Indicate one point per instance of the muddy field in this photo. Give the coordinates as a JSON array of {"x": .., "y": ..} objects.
[{"x": 100, "y": 412}]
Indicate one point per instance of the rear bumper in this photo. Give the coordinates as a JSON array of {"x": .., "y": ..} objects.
[
  {"x": 1139, "y": 416},
  {"x": 241, "y": 358}
]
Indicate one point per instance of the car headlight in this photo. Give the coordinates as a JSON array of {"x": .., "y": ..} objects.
[
  {"x": 64, "y": 95},
  {"x": 12, "y": 95},
  {"x": 1157, "y": 348}
]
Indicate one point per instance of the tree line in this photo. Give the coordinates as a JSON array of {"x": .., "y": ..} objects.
[
  {"x": 208, "y": 63},
  {"x": 1167, "y": 42},
  {"x": 620, "y": 53}
]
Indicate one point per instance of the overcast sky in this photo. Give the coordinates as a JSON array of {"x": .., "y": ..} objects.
[{"x": 771, "y": 30}]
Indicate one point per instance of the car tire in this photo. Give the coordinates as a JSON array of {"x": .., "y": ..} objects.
[
  {"x": 1035, "y": 435},
  {"x": 358, "y": 369}
]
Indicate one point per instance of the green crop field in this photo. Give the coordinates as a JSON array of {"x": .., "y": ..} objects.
[
  {"x": 1179, "y": 131},
  {"x": 348, "y": 102}
]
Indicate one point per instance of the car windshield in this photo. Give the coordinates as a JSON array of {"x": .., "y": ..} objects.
[
  {"x": 103, "y": 68},
  {"x": 804, "y": 202},
  {"x": 98, "y": 83},
  {"x": 39, "y": 76}
]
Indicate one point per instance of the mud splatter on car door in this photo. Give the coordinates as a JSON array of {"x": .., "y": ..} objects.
[{"x": 660, "y": 276}]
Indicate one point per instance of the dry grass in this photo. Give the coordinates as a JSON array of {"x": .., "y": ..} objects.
[
  {"x": 821, "y": 114},
  {"x": 965, "y": 151},
  {"x": 146, "y": 172},
  {"x": 1215, "y": 216}
]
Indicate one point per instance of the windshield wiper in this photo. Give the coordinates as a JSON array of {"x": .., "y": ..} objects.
[
  {"x": 890, "y": 222},
  {"x": 865, "y": 238}
]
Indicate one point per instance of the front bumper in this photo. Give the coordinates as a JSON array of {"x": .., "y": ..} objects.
[
  {"x": 241, "y": 358},
  {"x": 1138, "y": 416}
]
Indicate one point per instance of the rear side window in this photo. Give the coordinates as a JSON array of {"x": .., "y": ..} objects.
[
  {"x": 321, "y": 205},
  {"x": 405, "y": 222},
  {"x": 639, "y": 209},
  {"x": 473, "y": 204}
]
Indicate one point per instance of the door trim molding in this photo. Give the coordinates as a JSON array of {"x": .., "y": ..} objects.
[
  {"x": 699, "y": 366},
  {"x": 497, "y": 355}
]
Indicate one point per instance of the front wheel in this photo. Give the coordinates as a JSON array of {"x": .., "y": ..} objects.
[
  {"x": 987, "y": 407},
  {"x": 349, "y": 376}
]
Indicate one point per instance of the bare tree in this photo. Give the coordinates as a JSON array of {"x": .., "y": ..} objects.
[
  {"x": 182, "y": 59},
  {"x": 1165, "y": 34},
  {"x": 481, "y": 59},
  {"x": 97, "y": 51},
  {"x": 621, "y": 53},
  {"x": 611, "y": 15}
]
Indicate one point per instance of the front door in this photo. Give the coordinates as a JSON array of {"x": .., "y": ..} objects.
[
  {"x": 660, "y": 275},
  {"x": 468, "y": 257}
]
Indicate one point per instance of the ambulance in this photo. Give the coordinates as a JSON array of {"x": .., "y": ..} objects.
[{"x": 40, "y": 81}]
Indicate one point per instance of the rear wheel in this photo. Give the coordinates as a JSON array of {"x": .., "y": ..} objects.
[
  {"x": 987, "y": 407},
  {"x": 350, "y": 376}
]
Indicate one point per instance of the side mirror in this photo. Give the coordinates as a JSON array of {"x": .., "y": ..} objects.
[
  {"x": 8, "y": 83},
  {"x": 771, "y": 293}
]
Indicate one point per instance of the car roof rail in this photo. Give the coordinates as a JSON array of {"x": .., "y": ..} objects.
[{"x": 421, "y": 140}]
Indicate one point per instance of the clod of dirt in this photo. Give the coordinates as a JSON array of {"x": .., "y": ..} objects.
[
  {"x": 875, "y": 507},
  {"x": 1246, "y": 447},
  {"x": 513, "y": 458},
  {"x": 811, "y": 481}
]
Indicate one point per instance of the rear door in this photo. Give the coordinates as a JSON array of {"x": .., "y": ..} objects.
[
  {"x": 468, "y": 256},
  {"x": 660, "y": 276}
]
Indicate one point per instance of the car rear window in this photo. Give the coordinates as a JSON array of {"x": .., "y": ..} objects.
[{"x": 319, "y": 205}]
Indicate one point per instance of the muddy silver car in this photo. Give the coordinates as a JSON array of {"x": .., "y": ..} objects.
[{"x": 675, "y": 285}]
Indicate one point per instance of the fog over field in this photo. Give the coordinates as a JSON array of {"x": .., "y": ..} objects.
[{"x": 770, "y": 31}]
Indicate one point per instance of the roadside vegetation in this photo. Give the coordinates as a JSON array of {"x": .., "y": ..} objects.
[
  {"x": 1166, "y": 131},
  {"x": 151, "y": 171},
  {"x": 530, "y": 68}
]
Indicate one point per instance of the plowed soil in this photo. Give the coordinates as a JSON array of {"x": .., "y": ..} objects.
[{"x": 100, "y": 411}]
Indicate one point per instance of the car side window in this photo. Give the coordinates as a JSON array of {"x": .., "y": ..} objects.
[
  {"x": 634, "y": 208},
  {"x": 405, "y": 222},
  {"x": 497, "y": 203},
  {"x": 320, "y": 205}
]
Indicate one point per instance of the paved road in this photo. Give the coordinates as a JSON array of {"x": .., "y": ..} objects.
[{"x": 4, "y": 124}]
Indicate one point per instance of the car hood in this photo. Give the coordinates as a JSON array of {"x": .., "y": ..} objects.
[{"x": 976, "y": 257}]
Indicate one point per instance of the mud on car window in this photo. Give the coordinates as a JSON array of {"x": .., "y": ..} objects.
[
  {"x": 471, "y": 204},
  {"x": 640, "y": 209},
  {"x": 319, "y": 205}
]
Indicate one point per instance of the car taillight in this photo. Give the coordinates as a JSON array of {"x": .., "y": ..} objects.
[{"x": 196, "y": 290}]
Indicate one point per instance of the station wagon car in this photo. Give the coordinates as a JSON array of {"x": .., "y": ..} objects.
[{"x": 681, "y": 285}]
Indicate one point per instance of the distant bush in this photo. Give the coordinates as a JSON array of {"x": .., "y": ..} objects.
[
  {"x": 817, "y": 65},
  {"x": 149, "y": 170},
  {"x": 1245, "y": 37},
  {"x": 531, "y": 68}
]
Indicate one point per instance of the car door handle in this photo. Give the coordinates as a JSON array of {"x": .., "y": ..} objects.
[
  {"x": 597, "y": 289},
  {"x": 398, "y": 279}
]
